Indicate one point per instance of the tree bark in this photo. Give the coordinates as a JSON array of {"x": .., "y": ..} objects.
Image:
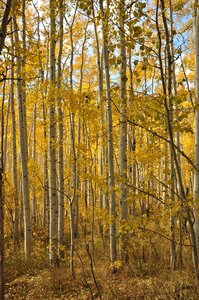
[
  {"x": 2, "y": 250},
  {"x": 123, "y": 134},
  {"x": 113, "y": 250},
  {"x": 53, "y": 230},
  {"x": 23, "y": 148},
  {"x": 14, "y": 155},
  {"x": 5, "y": 21},
  {"x": 60, "y": 137},
  {"x": 196, "y": 122}
]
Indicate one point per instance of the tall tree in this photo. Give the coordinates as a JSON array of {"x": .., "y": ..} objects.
[
  {"x": 123, "y": 130},
  {"x": 3, "y": 32},
  {"x": 23, "y": 143},
  {"x": 196, "y": 122},
  {"x": 14, "y": 153},
  {"x": 60, "y": 134},
  {"x": 113, "y": 249},
  {"x": 53, "y": 230}
]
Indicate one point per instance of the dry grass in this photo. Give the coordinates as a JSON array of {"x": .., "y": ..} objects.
[{"x": 139, "y": 279}]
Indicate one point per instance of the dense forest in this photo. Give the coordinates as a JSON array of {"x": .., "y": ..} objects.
[{"x": 99, "y": 149}]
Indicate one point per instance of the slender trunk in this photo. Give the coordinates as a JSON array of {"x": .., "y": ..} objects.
[
  {"x": 123, "y": 133},
  {"x": 14, "y": 156},
  {"x": 2, "y": 278},
  {"x": 174, "y": 91},
  {"x": 196, "y": 122},
  {"x": 53, "y": 242},
  {"x": 23, "y": 74},
  {"x": 73, "y": 152},
  {"x": 76, "y": 206},
  {"x": 133, "y": 140},
  {"x": 45, "y": 174},
  {"x": 72, "y": 270},
  {"x": 112, "y": 210},
  {"x": 23, "y": 148},
  {"x": 34, "y": 204},
  {"x": 6, "y": 135},
  {"x": 168, "y": 98},
  {"x": 101, "y": 106},
  {"x": 60, "y": 137}
]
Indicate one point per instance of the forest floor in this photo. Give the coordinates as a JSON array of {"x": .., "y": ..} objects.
[
  {"x": 146, "y": 276},
  {"x": 47, "y": 283}
]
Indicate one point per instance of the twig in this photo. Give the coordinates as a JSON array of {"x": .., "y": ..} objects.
[
  {"x": 83, "y": 273},
  {"x": 92, "y": 270}
]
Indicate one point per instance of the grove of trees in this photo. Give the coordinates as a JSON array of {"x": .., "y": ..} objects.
[{"x": 99, "y": 146}]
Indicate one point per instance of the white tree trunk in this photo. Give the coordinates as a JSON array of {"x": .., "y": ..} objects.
[
  {"x": 123, "y": 132},
  {"x": 60, "y": 138},
  {"x": 14, "y": 157},
  {"x": 53, "y": 242},
  {"x": 23, "y": 148},
  {"x": 196, "y": 173},
  {"x": 113, "y": 249}
]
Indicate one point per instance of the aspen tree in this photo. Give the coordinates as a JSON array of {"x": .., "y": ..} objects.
[
  {"x": 3, "y": 31},
  {"x": 170, "y": 117},
  {"x": 123, "y": 132},
  {"x": 2, "y": 250},
  {"x": 14, "y": 154},
  {"x": 34, "y": 200},
  {"x": 46, "y": 192},
  {"x": 53, "y": 230},
  {"x": 23, "y": 146},
  {"x": 196, "y": 121},
  {"x": 45, "y": 212},
  {"x": 102, "y": 155},
  {"x": 60, "y": 134},
  {"x": 73, "y": 151},
  {"x": 23, "y": 65},
  {"x": 113, "y": 249},
  {"x": 76, "y": 208},
  {"x": 175, "y": 92},
  {"x": 132, "y": 142}
]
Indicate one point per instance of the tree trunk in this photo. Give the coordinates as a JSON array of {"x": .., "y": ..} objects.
[
  {"x": 14, "y": 156},
  {"x": 123, "y": 134},
  {"x": 53, "y": 243},
  {"x": 113, "y": 250},
  {"x": 4, "y": 24},
  {"x": 196, "y": 122},
  {"x": 60, "y": 137},
  {"x": 2, "y": 278},
  {"x": 34, "y": 200},
  {"x": 23, "y": 148}
]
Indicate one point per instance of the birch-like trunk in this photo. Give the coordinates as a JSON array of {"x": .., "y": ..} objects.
[
  {"x": 23, "y": 147},
  {"x": 168, "y": 94},
  {"x": 2, "y": 249},
  {"x": 196, "y": 122},
  {"x": 34, "y": 200},
  {"x": 123, "y": 134},
  {"x": 14, "y": 156},
  {"x": 113, "y": 249},
  {"x": 132, "y": 142},
  {"x": 79, "y": 136},
  {"x": 101, "y": 106},
  {"x": 45, "y": 173},
  {"x": 53, "y": 230},
  {"x": 73, "y": 152},
  {"x": 60, "y": 137}
]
